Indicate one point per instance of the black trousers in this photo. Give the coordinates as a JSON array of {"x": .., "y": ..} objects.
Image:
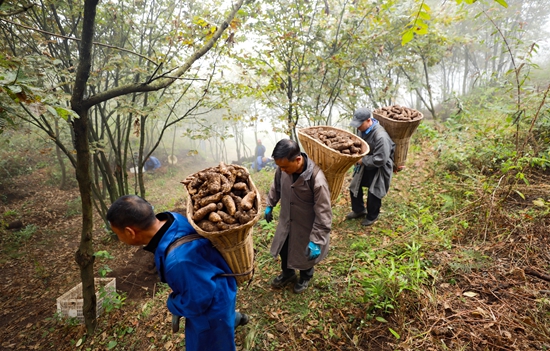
[
  {"x": 304, "y": 274},
  {"x": 373, "y": 203}
]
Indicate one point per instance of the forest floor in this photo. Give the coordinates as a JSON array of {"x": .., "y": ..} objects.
[{"x": 489, "y": 290}]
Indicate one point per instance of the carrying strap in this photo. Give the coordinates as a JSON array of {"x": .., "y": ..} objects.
[
  {"x": 181, "y": 241},
  {"x": 192, "y": 237}
]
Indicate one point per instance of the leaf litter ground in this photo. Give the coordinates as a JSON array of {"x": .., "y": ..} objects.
[{"x": 487, "y": 295}]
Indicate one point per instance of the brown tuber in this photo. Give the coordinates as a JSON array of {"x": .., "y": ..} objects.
[
  {"x": 399, "y": 113},
  {"x": 202, "y": 212},
  {"x": 346, "y": 144},
  {"x": 221, "y": 197}
]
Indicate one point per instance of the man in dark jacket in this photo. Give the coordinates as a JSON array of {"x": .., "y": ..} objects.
[
  {"x": 303, "y": 233},
  {"x": 375, "y": 169},
  {"x": 190, "y": 265}
]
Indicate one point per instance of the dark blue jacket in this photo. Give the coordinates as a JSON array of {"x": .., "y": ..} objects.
[
  {"x": 200, "y": 294},
  {"x": 152, "y": 163}
]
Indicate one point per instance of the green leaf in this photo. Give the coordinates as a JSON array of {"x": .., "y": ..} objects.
[
  {"x": 424, "y": 15},
  {"x": 111, "y": 345},
  {"x": 502, "y": 3},
  {"x": 407, "y": 37},
  {"x": 65, "y": 113},
  {"x": 103, "y": 254},
  {"x": 397, "y": 336},
  {"x": 421, "y": 30},
  {"x": 382, "y": 320}
]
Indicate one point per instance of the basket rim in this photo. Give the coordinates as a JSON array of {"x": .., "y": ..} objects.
[
  {"x": 301, "y": 133},
  {"x": 379, "y": 116}
]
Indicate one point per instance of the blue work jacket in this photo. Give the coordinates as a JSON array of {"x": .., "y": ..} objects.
[{"x": 200, "y": 294}]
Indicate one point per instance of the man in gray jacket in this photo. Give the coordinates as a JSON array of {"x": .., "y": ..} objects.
[
  {"x": 303, "y": 233},
  {"x": 375, "y": 169}
]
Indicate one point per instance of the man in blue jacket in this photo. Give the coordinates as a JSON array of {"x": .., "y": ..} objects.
[
  {"x": 151, "y": 164},
  {"x": 195, "y": 271}
]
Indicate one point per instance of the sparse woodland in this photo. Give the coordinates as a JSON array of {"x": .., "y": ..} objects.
[{"x": 89, "y": 90}]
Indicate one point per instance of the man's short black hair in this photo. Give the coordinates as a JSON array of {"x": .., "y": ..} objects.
[
  {"x": 286, "y": 148},
  {"x": 131, "y": 211}
]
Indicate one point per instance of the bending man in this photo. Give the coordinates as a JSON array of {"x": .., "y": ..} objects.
[{"x": 190, "y": 265}]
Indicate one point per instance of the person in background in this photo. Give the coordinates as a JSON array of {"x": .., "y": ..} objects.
[
  {"x": 151, "y": 164},
  {"x": 259, "y": 154},
  {"x": 203, "y": 290},
  {"x": 263, "y": 162},
  {"x": 303, "y": 232},
  {"x": 375, "y": 169}
]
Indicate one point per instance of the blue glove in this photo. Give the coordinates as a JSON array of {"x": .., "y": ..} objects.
[
  {"x": 313, "y": 251},
  {"x": 268, "y": 214}
]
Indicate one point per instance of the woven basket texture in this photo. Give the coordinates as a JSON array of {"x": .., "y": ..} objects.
[
  {"x": 400, "y": 132},
  {"x": 236, "y": 244},
  {"x": 333, "y": 163}
]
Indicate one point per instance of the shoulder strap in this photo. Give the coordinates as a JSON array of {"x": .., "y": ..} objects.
[
  {"x": 181, "y": 241},
  {"x": 278, "y": 180},
  {"x": 316, "y": 169}
]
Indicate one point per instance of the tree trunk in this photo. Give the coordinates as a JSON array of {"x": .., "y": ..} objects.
[{"x": 85, "y": 254}]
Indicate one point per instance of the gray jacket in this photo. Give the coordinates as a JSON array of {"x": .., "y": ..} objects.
[
  {"x": 305, "y": 216},
  {"x": 380, "y": 157}
]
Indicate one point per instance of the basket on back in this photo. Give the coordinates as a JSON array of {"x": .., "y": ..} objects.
[
  {"x": 333, "y": 163},
  {"x": 228, "y": 229},
  {"x": 400, "y": 123}
]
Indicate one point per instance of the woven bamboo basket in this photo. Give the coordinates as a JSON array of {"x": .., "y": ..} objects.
[
  {"x": 333, "y": 163},
  {"x": 236, "y": 244},
  {"x": 400, "y": 132}
]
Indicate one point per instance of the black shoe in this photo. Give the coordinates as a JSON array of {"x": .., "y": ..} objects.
[
  {"x": 368, "y": 222},
  {"x": 280, "y": 281},
  {"x": 301, "y": 286},
  {"x": 353, "y": 215},
  {"x": 242, "y": 319}
]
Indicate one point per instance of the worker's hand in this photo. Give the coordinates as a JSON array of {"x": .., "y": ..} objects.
[
  {"x": 313, "y": 251},
  {"x": 268, "y": 214}
]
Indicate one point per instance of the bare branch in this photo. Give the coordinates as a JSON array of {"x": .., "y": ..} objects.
[{"x": 77, "y": 39}]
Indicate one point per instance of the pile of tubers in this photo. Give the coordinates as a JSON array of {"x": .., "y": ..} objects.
[
  {"x": 344, "y": 143},
  {"x": 399, "y": 113},
  {"x": 221, "y": 197}
]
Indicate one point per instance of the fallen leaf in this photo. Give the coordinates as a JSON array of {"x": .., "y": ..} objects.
[{"x": 470, "y": 294}]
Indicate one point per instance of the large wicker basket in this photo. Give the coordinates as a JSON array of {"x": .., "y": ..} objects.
[
  {"x": 333, "y": 163},
  {"x": 400, "y": 132},
  {"x": 236, "y": 244}
]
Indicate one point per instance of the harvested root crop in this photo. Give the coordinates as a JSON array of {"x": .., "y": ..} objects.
[
  {"x": 399, "y": 113},
  {"x": 344, "y": 143},
  {"x": 221, "y": 197}
]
